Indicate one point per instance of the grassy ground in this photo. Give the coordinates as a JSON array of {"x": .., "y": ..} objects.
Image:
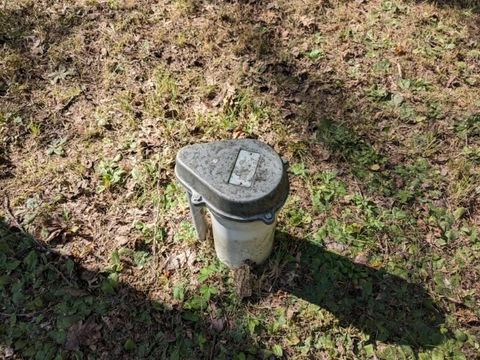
[{"x": 375, "y": 104}]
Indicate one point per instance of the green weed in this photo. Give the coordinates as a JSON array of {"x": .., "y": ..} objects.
[
  {"x": 57, "y": 147},
  {"x": 186, "y": 233},
  {"x": 326, "y": 189},
  {"x": 111, "y": 174}
]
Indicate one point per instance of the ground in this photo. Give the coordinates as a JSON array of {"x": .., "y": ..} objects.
[{"x": 374, "y": 103}]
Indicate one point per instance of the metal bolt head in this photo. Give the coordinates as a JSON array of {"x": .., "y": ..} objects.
[{"x": 196, "y": 198}]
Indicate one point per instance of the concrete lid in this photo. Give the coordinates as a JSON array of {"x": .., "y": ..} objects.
[{"x": 242, "y": 179}]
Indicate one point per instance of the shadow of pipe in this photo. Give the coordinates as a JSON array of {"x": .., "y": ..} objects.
[
  {"x": 60, "y": 305},
  {"x": 387, "y": 307}
]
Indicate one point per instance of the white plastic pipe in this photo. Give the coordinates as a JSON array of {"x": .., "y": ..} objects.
[{"x": 236, "y": 241}]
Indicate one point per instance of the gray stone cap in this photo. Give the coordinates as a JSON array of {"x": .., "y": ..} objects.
[{"x": 241, "y": 179}]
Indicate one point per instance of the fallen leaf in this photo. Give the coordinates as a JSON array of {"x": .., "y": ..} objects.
[
  {"x": 37, "y": 48},
  {"x": 176, "y": 261},
  {"x": 293, "y": 340},
  {"x": 335, "y": 246},
  {"x": 397, "y": 99},
  {"x": 8, "y": 352},
  {"x": 291, "y": 311},
  {"x": 170, "y": 337},
  {"x": 122, "y": 240},
  {"x": 400, "y": 50},
  {"x": 82, "y": 334},
  {"x": 361, "y": 259},
  {"x": 218, "y": 324},
  {"x": 308, "y": 22}
]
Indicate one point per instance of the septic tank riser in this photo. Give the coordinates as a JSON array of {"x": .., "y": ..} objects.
[
  {"x": 236, "y": 242},
  {"x": 243, "y": 183}
]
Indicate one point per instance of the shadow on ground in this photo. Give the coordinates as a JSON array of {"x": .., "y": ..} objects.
[
  {"x": 466, "y": 4},
  {"x": 384, "y": 306},
  {"x": 50, "y": 304},
  {"x": 52, "y": 307}
]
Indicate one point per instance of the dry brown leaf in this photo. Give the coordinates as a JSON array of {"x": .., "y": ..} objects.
[
  {"x": 361, "y": 259},
  {"x": 176, "y": 261},
  {"x": 82, "y": 334},
  {"x": 218, "y": 324}
]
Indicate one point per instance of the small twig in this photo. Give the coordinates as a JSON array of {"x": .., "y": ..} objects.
[
  {"x": 17, "y": 224},
  {"x": 355, "y": 180},
  {"x": 51, "y": 266},
  {"x": 6, "y": 315},
  {"x": 456, "y": 302},
  {"x": 27, "y": 315},
  {"x": 212, "y": 351},
  {"x": 155, "y": 232},
  {"x": 400, "y": 72},
  {"x": 69, "y": 102},
  {"x": 53, "y": 235},
  {"x": 8, "y": 211}
]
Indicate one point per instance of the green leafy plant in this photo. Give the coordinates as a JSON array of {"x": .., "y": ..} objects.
[
  {"x": 186, "y": 232},
  {"x": 57, "y": 147},
  {"x": 298, "y": 169},
  {"x": 297, "y": 216},
  {"x": 201, "y": 300},
  {"x": 469, "y": 127},
  {"x": 111, "y": 174},
  {"x": 326, "y": 190},
  {"x": 179, "y": 292},
  {"x": 277, "y": 350},
  {"x": 315, "y": 54},
  {"x": 151, "y": 232},
  {"x": 379, "y": 93}
]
